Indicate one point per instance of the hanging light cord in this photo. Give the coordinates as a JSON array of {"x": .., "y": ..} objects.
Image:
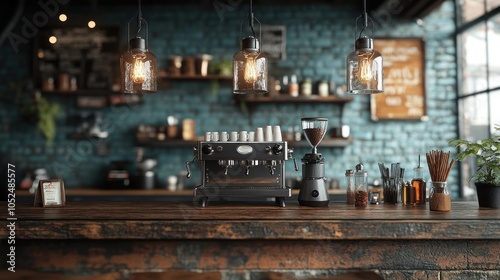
[
  {"x": 250, "y": 19},
  {"x": 139, "y": 19},
  {"x": 365, "y": 19}
]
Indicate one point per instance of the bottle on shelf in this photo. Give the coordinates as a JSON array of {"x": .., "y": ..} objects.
[
  {"x": 293, "y": 87},
  {"x": 419, "y": 184},
  {"x": 349, "y": 175},
  {"x": 284, "y": 85}
]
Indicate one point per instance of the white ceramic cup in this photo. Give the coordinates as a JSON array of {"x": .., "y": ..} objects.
[
  {"x": 208, "y": 136},
  {"x": 243, "y": 136},
  {"x": 223, "y": 136},
  {"x": 215, "y": 136},
  {"x": 268, "y": 134},
  {"x": 277, "y": 133},
  {"x": 233, "y": 136},
  {"x": 251, "y": 136},
  {"x": 259, "y": 134}
]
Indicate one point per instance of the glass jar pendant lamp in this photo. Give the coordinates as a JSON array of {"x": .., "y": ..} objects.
[
  {"x": 250, "y": 64},
  {"x": 364, "y": 66},
  {"x": 138, "y": 66}
]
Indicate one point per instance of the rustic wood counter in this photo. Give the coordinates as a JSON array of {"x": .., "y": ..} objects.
[{"x": 396, "y": 241}]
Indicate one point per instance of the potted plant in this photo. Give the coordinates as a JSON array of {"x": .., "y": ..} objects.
[
  {"x": 487, "y": 177},
  {"x": 36, "y": 109}
]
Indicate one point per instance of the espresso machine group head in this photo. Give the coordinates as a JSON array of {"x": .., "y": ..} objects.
[{"x": 313, "y": 191}]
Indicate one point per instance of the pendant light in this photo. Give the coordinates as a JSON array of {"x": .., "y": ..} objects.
[
  {"x": 364, "y": 72},
  {"x": 249, "y": 64},
  {"x": 138, "y": 67}
]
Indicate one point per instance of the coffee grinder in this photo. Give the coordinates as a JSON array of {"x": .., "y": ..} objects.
[{"x": 313, "y": 191}]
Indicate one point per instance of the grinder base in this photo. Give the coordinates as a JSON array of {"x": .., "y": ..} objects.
[{"x": 313, "y": 193}]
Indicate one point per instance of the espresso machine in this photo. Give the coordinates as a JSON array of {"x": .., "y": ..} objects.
[
  {"x": 313, "y": 191},
  {"x": 242, "y": 168}
]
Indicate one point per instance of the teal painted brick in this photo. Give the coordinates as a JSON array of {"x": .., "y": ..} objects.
[{"x": 315, "y": 48}]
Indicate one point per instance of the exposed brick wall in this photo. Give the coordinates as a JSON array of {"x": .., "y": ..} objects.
[{"x": 318, "y": 39}]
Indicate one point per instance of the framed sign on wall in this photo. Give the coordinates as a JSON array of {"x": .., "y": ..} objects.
[{"x": 404, "y": 80}]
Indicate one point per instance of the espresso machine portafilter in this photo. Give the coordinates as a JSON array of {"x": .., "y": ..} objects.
[{"x": 313, "y": 191}]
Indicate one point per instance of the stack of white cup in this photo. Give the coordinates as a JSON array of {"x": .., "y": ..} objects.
[{"x": 266, "y": 134}]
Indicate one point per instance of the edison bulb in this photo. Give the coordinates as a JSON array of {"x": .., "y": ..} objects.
[
  {"x": 250, "y": 70},
  {"x": 139, "y": 70},
  {"x": 365, "y": 69}
]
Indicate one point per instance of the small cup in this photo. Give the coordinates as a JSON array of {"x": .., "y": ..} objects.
[
  {"x": 223, "y": 136},
  {"x": 243, "y": 136},
  {"x": 268, "y": 134},
  {"x": 259, "y": 134},
  {"x": 208, "y": 136},
  {"x": 251, "y": 136},
  {"x": 233, "y": 136},
  {"x": 277, "y": 133},
  {"x": 215, "y": 136}
]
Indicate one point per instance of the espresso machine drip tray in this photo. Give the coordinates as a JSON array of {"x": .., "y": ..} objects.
[
  {"x": 242, "y": 169},
  {"x": 204, "y": 193}
]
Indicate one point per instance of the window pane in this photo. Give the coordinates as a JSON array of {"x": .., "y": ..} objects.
[
  {"x": 492, "y": 4},
  {"x": 475, "y": 122},
  {"x": 473, "y": 48},
  {"x": 495, "y": 113},
  {"x": 493, "y": 53},
  {"x": 471, "y": 9},
  {"x": 475, "y": 126}
]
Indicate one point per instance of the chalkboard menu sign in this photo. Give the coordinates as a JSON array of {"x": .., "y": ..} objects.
[
  {"x": 274, "y": 41},
  {"x": 404, "y": 85},
  {"x": 87, "y": 56}
]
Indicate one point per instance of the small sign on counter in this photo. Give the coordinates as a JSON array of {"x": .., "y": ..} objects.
[{"x": 50, "y": 193}]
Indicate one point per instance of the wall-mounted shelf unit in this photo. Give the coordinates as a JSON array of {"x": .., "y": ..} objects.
[
  {"x": 84, "y": 92},
  {"x": 327, "y": 142},
  {"x": 164, "y": 76},
  {"x": 165, "y": 143},
  {"x": 290, "y": 99}
]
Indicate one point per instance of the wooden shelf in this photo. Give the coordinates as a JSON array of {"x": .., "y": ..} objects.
[
  {"x": 166, "y": 143},
  {"x": 330, "y": 142},
  {"x": 291, "y": 99},
  {"x": 88, "y": 92},
  {"x": 196, "y": 77}
]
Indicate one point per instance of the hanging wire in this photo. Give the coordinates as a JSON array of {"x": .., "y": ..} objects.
[
  {"x": 251, "y": 18},
  {"x": 365, "y": 19},
  {"x": 139, "y": 20}
]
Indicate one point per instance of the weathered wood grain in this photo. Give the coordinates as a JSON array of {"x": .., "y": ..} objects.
[{"x": 237, "y": 221}]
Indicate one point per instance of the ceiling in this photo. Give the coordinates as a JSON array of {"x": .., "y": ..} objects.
[
  {"x": 402, "y": 9},
  {"x": 405, "y": 9}
]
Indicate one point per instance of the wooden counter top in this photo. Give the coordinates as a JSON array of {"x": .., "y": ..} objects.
[{"x": 256, "y": 220}]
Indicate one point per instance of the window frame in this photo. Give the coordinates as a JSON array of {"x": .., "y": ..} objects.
[{"x": 461, "y": 28}]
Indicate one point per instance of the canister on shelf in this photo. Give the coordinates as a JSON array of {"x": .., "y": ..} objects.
[
  {"x": 306, "y": 87},
  {"x": 323, "y": 88}
]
